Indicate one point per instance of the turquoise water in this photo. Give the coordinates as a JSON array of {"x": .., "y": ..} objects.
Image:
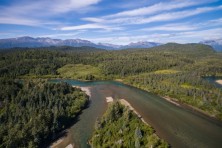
[
  {"x": 213, "y": 81},
  {"x": 179, "y": 126}
]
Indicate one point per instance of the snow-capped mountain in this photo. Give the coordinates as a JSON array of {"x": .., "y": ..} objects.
[
  {"x": 44, "y": 42},
  {"x": 216, "y": 44}
]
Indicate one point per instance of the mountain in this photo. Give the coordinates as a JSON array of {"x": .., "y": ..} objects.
[
  {"x": 192, "y": 49},
  {"x": 42, "y": 42},
  {"x": 45, "y": 42},
  {"x": 143, "y": 44},
  {"x": 109, "y": 46},
  {"x": 216, "y": 44}
]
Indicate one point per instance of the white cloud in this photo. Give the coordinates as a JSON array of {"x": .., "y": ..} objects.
[
  {"x": 28, "y": 22},
  {"x": 18, "y": 21},
  {"x": 43, "y": 13},
  {"x": 86, "y": 26},
  {"x": 178, "y": 15},
  {"x": 171, "y": 27},
  {"x": 60, "y": 6},
  {"x": 90, "y": 26},
  {"x": 179, "y": 37},
  {"x": 48, "y": 7},
  {"x": 163, "y": 17},
  {"x": 192, "y": 36},
  {"x": 124, "y": 40},
  {"x": 160, "y": 7},
  {"x": 35, "y": 13},
  {"x": 185, "y": 26},
  {"x": 92, "y": 19},
  {"x": 63, "y": 35},
  {"x": 139, "y": 13},
  {"x": 203, "y": 34}
]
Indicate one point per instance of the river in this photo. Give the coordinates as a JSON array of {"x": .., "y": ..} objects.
[
  {"x": 179, "y": 126},
  {"x": 213, "y": 81}
]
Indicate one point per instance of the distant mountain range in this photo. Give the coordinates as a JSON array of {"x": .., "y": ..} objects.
[
  {"x": 44, "y": 42},
  {"x": 27, "y": 41},
  {"x": 216, "y": 44}
]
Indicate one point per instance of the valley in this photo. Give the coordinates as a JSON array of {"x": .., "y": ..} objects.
[
  {"x": 172, "y": 70},
  {"x": 110, "y": 74}
]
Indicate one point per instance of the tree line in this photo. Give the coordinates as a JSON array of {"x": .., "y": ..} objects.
[{"x": 34, "y": 111}]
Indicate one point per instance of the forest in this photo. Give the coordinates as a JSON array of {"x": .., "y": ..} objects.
[
  {"x": 172, "y": 70},
  {"x": 34, "y": 111},
  {"x": 120, "y": 127}
]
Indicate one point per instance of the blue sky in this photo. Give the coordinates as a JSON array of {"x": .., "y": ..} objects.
[{"x": 113, "y": 21}]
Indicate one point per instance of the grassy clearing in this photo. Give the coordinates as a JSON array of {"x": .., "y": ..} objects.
[
  {"x": 167, "y": 71},
  {"x": 188, "y": 86},
  {"x": 80, "y": 71}
]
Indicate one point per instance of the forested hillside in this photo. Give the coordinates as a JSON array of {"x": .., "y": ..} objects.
[
  {"x": 34, "y": 111},
  {"x": 173, "y": 70}
]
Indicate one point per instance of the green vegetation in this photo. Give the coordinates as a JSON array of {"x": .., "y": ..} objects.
[
  {"x": 120, "y": 127},
  {"x": 166, "y": 71},
  {"x": 173, "y": 70},
  {"x": 184, "y": 87},
  {"x": 80, "y": 71},
  {"x": 32, "y": 112}
]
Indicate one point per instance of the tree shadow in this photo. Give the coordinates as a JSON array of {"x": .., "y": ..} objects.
[{"x": 64, "y": 132}]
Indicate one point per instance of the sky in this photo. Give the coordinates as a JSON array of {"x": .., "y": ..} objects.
[{"x": 113, "y": 21}]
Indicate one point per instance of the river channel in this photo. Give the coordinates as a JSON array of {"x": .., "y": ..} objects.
[{"x": 179, "y": 126}]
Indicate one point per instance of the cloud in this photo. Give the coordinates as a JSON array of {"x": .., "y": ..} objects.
[
  {"x": 18, "y": 21},
  {"x": 130, "y": 4},
  {"x": 148, "y": 14},
  {"x": 86, "y": 26},
  {"x": 192, "y": 36},
  {"x": 63, "y": 35},
  {"x": 179, "y": 37},
  {"x": 70, "y": 5},
  {"x": 35, "y": 13},
  {"x": 69, "y": 18},
  {"x": 171, "y": 27},
  {"x": 162, "y": 17},
  {"x": 185, "y": 26},
  {"x": 178, "y": 15},
  {"x": 28, "y": 22},
  {"x": 92, "y": 19},
  {"x": 159, "y": 7},
  {"x": 203, "y": 34},
  {"x": 90, "y": 26},
  {"x": 126, "y": 39},
  {"x": 136, "y": 14},
  {"x": 52, "y": 7}
]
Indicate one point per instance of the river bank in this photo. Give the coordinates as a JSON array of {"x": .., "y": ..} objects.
[
  {"x": 219, "y": 82},
  {"x": 169, "y": 121},
  {"x": 63, "y": 142},
  {"x": 84, "y": 89},
  {"x": 66, "y": 141},
  {"x": 187, "y": 106},
  {"x": 127, "y": 104},
  {"x": 182, "y": 104}
]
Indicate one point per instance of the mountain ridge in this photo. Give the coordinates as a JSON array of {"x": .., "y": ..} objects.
[
  {"x": 31, "y": 42},
  {"x": 216, "y": 44},
  {"x": 27, "y": 41}
]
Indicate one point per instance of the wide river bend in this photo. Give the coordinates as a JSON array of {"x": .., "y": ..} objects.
[{"x": 179, "y": 126}]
